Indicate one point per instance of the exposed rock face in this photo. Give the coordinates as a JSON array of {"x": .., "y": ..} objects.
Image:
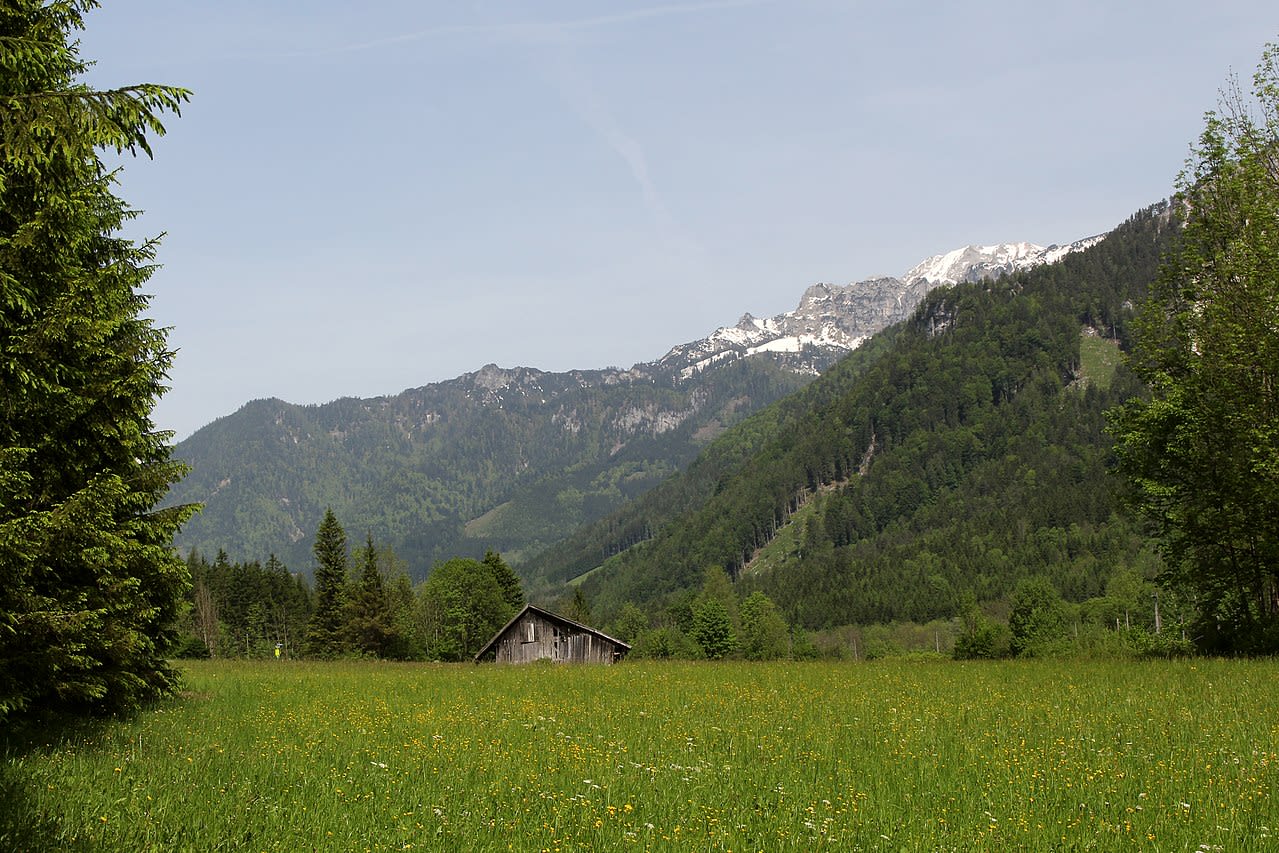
[
  {"x": 973, "y": 263},
  {"x": 832, "y": 319}
]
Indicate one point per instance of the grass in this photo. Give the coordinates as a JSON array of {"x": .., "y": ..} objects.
[
  {"x": 1098, "y": 358},
  {"x": 885, "y": 756},
  {"x": 785, "y": 544}
]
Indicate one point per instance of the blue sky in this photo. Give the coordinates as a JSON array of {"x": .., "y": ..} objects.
[{"x": 363, "y": 198}]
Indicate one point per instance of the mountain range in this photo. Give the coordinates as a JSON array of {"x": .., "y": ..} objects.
[
  {"x": 516, "y": 459},
  {"x": 946, "y": 460}
]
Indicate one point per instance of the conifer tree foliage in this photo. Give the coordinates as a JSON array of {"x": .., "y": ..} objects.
[
  {"x": 326, "y": 633},
  {"x": 89, "y": 583},
  {"x": 1202, "y": 453},
  {"x": 951, "y": 455},
  {"x": 370, "y": 621},
  {"x": 512, "y": 588}
]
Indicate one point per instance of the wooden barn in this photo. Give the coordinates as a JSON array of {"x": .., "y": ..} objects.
[{"x": 537, "y": 634}]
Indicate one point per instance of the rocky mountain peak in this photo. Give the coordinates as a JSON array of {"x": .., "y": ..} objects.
[
  {"x": 832, "y": 319},
  {"x": 973, "y": 263}
]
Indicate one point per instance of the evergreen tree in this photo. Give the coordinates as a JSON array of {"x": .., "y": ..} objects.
[
  {"x": 326, "y": 631},
  {"x": 90, "y": 586},
  {"x": 1202, "y": 454},
  {"x": 370, "y": 624},
  {"x": 577, "y": 607},
  {"x": 289, "y": 606},
  {"x": 512, "y": 588}
]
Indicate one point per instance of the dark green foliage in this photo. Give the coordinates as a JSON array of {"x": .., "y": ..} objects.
[
  {"x": 405, "y": 644},
  {"x": 713, "y": 630},
  {"x": 507, "y": 580},
  {"x": 245, "y": 609},
  {"x": 630, "y": 623},
  {"x": 1039, "y": 618},
  {"x": 248, "y": 610},
  {"x": 707, "y": 475},
  {"x": 765, "y": 635},
  {"x": 326, "y": 633},
  {"x": 981, "y": 637},
  {"x": 463, "y": 604},
  {"x": 954, "y": 454},
  {"x": 666, "y": 643},
  {"x": 1202, "y": 453},
  {"x": 370, "y": 624},
  {"x": 576, "y": 607},
  {"x": 89, "y": 584}
]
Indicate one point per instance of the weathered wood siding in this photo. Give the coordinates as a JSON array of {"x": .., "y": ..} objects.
[{"x": 535, "y": 637}]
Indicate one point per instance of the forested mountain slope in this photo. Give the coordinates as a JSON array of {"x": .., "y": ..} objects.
[
  {"x": 502, "y": 459},
  {"x": 514, "y": 460},
  {"x": 953, "y": 455}
]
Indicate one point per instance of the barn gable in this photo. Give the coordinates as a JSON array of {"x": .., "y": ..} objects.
[{"x": 536, "y": 634}]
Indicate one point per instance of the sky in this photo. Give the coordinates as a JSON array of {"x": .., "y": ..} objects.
[{"x": 366, "y": 197}]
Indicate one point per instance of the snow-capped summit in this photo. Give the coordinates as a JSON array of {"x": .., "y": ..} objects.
[
  {"x": 973, "y": 263},
  {"x": 832, "y": 319}
]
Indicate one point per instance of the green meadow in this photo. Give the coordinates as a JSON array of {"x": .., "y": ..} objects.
[{"x": 891, "y": 755}]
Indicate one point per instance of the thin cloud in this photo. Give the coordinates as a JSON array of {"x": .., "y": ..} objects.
[
  {"x": 584, "y": 100},
  {"x": 532, "y": 31}
]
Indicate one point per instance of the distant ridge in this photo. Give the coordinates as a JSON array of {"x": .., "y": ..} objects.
[
  {"x": 515, "y": 459},
  {"x": 838, "y": 318},
  {"x": 973, "y": 263}
]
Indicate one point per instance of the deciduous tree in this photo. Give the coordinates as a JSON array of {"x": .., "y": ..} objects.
[
  {"x": 1202, "y": 453},
  {"x": 462, "y": 605},
  {"x": 765, "y": 635}
]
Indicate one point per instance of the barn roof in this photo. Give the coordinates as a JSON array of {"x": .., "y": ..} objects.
[{"x": 554, "y": 617}]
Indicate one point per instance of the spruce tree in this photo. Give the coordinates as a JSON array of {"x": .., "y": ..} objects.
[
  {"x": 90, "y": 585},
  {"x": 512, "y": 588},
  {"x": 370, "y": 621},
  {"x": 326, "y": 632}
]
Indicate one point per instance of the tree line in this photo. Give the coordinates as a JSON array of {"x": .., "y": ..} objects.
[{"x": 362, "y": 604}]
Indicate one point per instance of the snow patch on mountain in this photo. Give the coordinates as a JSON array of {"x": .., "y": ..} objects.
[
  {"x": 973, "y": 263},
  {"x": 832, "y": 319}
]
